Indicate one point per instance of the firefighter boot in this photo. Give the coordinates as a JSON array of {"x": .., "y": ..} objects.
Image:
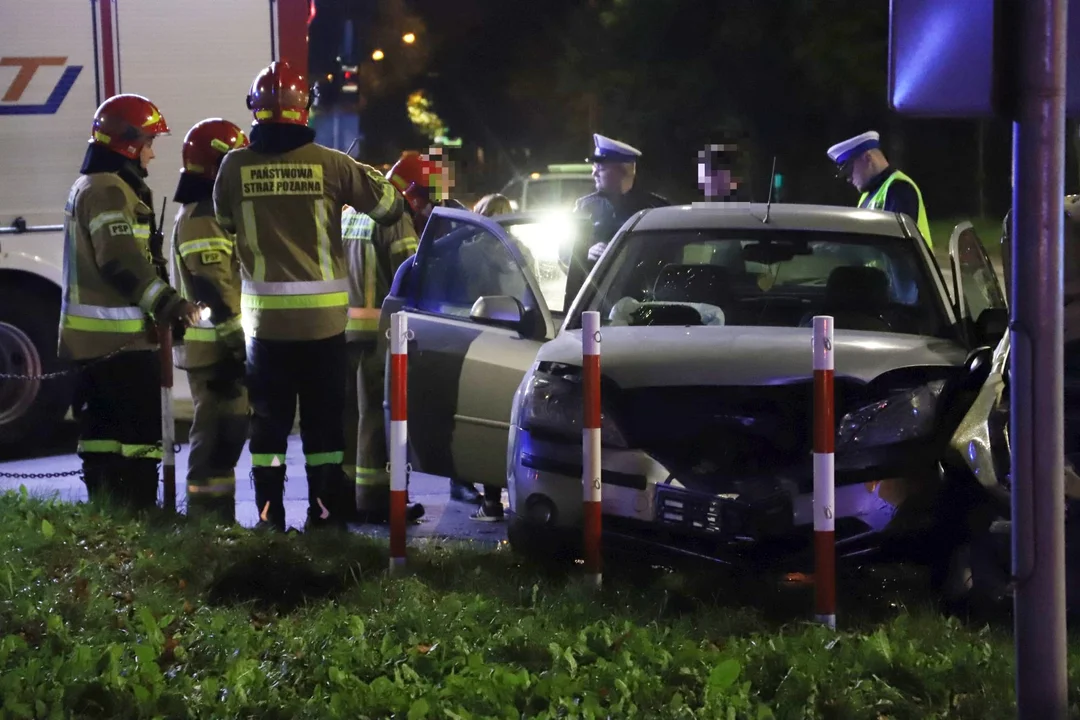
[
  {"x": 270, "y": 497},
  {"x": 327, "y": 498},
  {"x": 140, "y": 483},
  {"x": 102, "y": 478},
  {"x": 373, "y": 506}
]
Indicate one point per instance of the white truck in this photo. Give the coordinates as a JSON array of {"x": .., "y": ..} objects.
[{"x": 59, "y": 59}]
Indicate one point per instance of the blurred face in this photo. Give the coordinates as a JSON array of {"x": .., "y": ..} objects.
[
  {"x": 714, "y": 182},
  {"x": 147, "y": 154},
  {"x": 612, "y": 178}
]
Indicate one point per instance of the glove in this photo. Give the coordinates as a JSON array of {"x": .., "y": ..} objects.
[{"x": 596, "y": 251}]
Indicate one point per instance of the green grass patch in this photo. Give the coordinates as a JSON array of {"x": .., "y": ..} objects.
[{"x": 103, "y": 616}]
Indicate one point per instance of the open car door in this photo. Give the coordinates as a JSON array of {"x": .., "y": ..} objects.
[
  {"x": 478, "y": 314},
  {"x": 979, "y": 301}
]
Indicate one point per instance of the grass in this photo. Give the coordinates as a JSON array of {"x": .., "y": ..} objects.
[{"x": 103, "y": 616}]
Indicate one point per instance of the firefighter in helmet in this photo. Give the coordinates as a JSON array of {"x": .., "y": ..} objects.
[
  {"x": 283, "y": 196},
  {"x": 112, "y": 296},
  {"x": 424, "y": 181},
  {"x": 206, "y": 267}
]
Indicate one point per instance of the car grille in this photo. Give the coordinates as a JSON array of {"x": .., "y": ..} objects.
[
  {"x": 735, "y": 432},
  {"x": 770, "y": 513}
]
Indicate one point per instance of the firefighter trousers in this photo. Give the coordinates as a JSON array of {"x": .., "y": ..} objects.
[
  {"x": 117, "y": 406},
  {"x": 219, "y": 430},
  {"x": 281, "y": 372},
  {"x": 365, "y": 429}
]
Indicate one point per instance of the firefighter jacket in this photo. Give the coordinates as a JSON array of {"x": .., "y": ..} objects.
[
  {"x": 373, "y": 253},
  {"x": 206, "y": 268},
  {"x": 110, "y": 283},
  {"x": 285, "y": 209}
]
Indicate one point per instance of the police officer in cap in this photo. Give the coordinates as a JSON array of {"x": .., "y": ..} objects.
[
  {"x": 616, "y": 199},
  {"x": 859, "y": 160}
]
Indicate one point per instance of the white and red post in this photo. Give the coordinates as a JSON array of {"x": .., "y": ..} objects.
[
  {"x": 824, "y": 473},
  {"x": 590, "y": 361},
  {"x": 168, "y": 421},
  {"x": 399, "y": 442}
]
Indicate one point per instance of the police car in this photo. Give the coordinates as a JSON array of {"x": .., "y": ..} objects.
[{"x": 707, "y": 374}]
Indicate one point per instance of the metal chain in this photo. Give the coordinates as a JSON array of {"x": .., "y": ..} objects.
[
  {"x": 72, "y": 473},
  {"x": 71, "y": 371}
]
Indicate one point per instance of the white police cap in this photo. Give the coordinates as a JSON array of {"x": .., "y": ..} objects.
[
  {"x": 841, "y": 152},
  {"x": 608, "y": 150}
]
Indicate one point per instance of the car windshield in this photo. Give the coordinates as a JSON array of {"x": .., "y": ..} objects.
[{"x": 768, "y": 277}]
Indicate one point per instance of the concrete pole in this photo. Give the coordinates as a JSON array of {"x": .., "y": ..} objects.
[{"x": 1038, "y": 493}]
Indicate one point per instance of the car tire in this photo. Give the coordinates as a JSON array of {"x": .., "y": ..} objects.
[{"x": 31, "y": 410}]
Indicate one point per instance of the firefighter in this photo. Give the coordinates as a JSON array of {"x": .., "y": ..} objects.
[
  {"x": 423, "y": 180},
  {"x": 212, "y": 352},
  {"x": 112, "y": 294},
  {"x": 283, "y": 196},
  {"x": 859, "y": 160}
]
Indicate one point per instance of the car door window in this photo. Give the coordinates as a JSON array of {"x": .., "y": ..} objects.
[
  {"x": 546, "y": 242},
  {"x": 463, "y": 263}
]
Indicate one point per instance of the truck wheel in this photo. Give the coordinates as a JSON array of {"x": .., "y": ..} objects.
[{"x": 31, "y": 407}]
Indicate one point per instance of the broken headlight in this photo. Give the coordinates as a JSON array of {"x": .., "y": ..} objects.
[
  {"x": 905, "y": 415},
  {"x": 553, "y": 405}
]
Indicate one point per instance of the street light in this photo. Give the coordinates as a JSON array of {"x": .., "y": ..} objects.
[
  {"x": 408, "y": 38},
  {"x": 377, "y": 55}
]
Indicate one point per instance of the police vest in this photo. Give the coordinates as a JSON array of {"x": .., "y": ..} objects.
[{"x": 877, "y": 202}]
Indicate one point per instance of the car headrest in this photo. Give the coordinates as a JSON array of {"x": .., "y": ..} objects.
[
  {"x": 857, "y": 286},
  {"x": 708, "y": 284}
]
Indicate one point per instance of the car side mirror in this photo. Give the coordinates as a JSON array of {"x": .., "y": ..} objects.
[
  {"x": 499, "y": 311},
  {"x": 991, "y": 325}
]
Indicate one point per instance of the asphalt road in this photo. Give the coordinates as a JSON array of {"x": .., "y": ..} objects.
[{"x": 443, "y": 519}]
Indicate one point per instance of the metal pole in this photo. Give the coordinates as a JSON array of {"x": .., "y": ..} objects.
[
  {"x": 824, "y": 473},
  {"x": 399, "y": 436},
  {"x": 591, "y": 446},
  {"x": 1038, "y": 493},
  {"x": 168, "y": 420}
]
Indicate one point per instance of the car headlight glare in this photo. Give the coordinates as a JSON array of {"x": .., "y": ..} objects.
[
  {"x": 905, "y": 415},
  {"x": 553, "y": 404}
]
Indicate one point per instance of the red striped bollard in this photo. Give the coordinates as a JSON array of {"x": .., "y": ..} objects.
[
  {"x": 590, "y": 360},
  {"x": 824, "y": 473},
  {"x": 399, "y": 435}
]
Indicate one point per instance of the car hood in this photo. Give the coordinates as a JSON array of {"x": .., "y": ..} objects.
[{"x": 675, "y": 356}]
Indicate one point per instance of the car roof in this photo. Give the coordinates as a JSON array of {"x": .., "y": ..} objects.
[{"x": 782, "y": 216}]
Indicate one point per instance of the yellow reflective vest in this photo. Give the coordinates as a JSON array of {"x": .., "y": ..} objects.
[{"x": 877, "y": 202}]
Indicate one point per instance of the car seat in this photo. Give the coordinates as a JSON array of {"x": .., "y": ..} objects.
[{"x": 857, "y": 298}]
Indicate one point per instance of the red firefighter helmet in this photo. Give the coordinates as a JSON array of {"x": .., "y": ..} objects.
[
  {"x": 126, "y": 123},
  {"x": 206, "y": 144},
  {"x": 415, "y": 177},
  {"x": 280, "y": 95}
]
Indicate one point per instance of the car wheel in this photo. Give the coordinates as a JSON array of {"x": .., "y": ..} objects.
[{"x": 31, "y": 407}]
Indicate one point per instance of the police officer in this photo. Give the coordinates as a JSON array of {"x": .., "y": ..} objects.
[
  {"x": 615, "y": 201},
  {"x": 206, "y": 267},
  {"x": 859, "y": 160},
  {"x": 373, "y": 253},
  {"x": 283, "y": 196},
  {"x": 110, "y": 288}
]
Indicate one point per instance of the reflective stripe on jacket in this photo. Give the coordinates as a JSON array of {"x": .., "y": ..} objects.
[
  {"x": 373, "y": 254},
  {"x": 286, "y": 212},
  {"x": 205, "y": 267},
  {"x": 110, "y": 284},
  {"x": 877, "y": 202}
]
